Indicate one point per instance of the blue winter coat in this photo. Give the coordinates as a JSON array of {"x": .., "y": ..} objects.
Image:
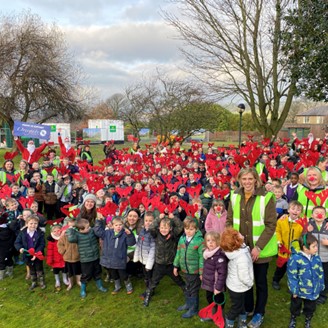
[
  {"x": 114, "y": 248},
  {"x": 305, "y": 277}
]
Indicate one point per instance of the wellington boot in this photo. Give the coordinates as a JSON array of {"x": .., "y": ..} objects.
[
  {"x": 100, "y": 286},
  {"x": 34, "y": 282},
  {"x": 185, "y": 306},
  {"x": 10, "y": 272},
  {"x": 117, "y": 288},
  {"x": 193, "y": 303},
  {"x": 41, "y": 279},
  {"x": 148, "y": 296},
  {"x": 83, "y": 291},
  {"x": 128, "y": 286}
]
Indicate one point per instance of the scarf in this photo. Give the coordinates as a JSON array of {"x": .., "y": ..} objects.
[
  {"x": 54, "y": 236},
  {"x": 207, "y": 253}
]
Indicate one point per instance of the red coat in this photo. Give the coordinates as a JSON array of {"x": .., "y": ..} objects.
[
  {"x": 54, "y": 259},
  {"x": 26, "y": 155},
  {"x": 66, "y": 153}
]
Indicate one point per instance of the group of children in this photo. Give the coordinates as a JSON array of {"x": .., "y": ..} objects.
[{"x": 196, "y": 251}]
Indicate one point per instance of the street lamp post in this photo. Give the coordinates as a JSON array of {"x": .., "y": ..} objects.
[{"x": 240, "y": 111}]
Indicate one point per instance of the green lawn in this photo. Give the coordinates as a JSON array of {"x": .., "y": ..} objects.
[{"x": 20, "y": 307}]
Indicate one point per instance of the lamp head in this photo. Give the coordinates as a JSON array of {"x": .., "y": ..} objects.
[{"x": 241, "y": 108}]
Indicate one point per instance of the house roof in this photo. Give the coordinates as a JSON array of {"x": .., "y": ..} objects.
[{"x": 318, "y": 111}]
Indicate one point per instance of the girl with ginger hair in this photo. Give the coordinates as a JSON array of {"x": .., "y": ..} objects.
[{"x": 240, "y": 274}]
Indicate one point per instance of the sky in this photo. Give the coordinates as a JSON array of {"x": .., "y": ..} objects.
[{"x": 116, "y": 42}]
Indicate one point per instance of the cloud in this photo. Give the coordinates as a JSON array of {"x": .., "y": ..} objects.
[
  {"x": 127, "y": 43},
  {"x": 115, "y": 57},
  {"x": 115, "y": 41},
  {"x": 86, "y": 12}
]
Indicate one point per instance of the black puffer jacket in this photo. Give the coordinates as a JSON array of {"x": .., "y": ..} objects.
[
  {"x": 166, "y": 246},
  {"x": 7, "y": 238}
]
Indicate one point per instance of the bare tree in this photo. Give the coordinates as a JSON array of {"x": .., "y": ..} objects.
[
  {"x": 101, "y": 110},
  {"x": 134, "y": 110},
  {"x": 116, "y": 102},
  {"x": 233, "y": 46},
  {"x": 39, "y": 79},
  {"x": 168, "y": 106}
]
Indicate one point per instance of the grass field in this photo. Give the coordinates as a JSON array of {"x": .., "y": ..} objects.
[{"x": 20, "y": 307}]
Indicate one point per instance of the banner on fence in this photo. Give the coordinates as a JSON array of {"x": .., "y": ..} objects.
[{"x": 32, "y": 130}]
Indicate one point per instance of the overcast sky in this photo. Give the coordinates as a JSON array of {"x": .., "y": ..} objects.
[{"x": 115, "y": 41}]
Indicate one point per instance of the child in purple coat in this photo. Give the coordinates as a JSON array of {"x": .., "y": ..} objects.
[{"x": 215, "y": 268}]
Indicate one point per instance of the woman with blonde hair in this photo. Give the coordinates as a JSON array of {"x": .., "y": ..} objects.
[{"x": 252, "y": 212}]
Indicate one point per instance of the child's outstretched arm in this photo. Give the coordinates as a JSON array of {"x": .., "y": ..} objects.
[
  {"x": 153, "y": 229},
  {"x": 99, "y": 228},
  {"x": 177, "y": 225},
  {"x": 131, "y": 239}
]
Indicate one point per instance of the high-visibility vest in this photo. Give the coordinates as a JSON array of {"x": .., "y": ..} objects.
[
  {"x": 308, "y": 205},
  {"x": 258, "y": 215},
  {"x": 44, "y": 174},
  {"x": 259, "y": 167},
  {"x": 3, "y": 176},
  {"x": 87, "y": 155}
]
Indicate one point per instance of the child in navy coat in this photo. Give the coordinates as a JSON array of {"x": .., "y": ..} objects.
[
  {"x": 114, "y": 251},
  {"x": 32, "y": 237}
]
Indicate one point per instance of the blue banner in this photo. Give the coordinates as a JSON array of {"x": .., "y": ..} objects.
[{"x": 32, "y": 130}]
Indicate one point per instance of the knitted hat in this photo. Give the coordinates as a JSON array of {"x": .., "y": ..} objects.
[
  {"x": 181, "y": 186},
  {"x": 90, "y": 197},
  {"x": 55, "y": 225}
]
